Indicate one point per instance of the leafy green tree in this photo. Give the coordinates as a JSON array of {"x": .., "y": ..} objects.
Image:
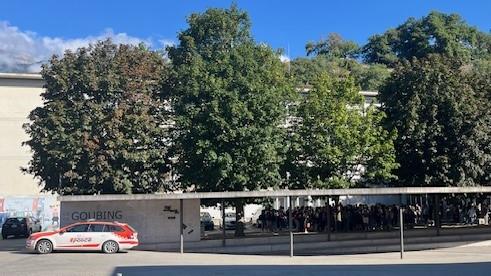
[
  {"x": 101, "y": 127},
  {"x": 440, "y": 108},
  {"x": 338, "y": 141},
  {"x": 338, "y": 58},
  {"x": 435, "y": 33},
  {"x": 333, "y": 47},
  {"x": 229, "y": 98},
  {"x": 368, "y": 76}
]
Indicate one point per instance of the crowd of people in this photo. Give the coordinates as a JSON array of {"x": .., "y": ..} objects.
[{"x": 377, "y": 217}]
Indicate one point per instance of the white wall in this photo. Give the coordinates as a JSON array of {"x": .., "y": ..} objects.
[
  {"x": 153, "y": 224},
  {"x": 17, "y": 98}
]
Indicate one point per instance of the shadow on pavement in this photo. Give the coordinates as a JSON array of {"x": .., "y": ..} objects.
[
  {"x": 12, "y": 244},
  {"x": 298, "y": 270}
]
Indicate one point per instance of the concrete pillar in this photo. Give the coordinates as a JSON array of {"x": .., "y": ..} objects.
[
  {"x": 290, "y": 218},
  {"x": 437, "y": 213},
  {"x": 329, "y": 219},
  {"x": 336, "y": 202},
  {"x": 401, "y": 226},
  {"x": 181, "y": 220},
  {"x": 223, "y": 223},
  {"x": 290, "y": 226}
]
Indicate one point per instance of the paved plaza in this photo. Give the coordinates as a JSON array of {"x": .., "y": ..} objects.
[{"x": 474, "y": 259}]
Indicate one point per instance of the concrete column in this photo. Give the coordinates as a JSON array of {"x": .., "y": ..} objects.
[
  {"x": 223, "y": 223},
  {"x": 437, "y": 214},
  {"x": 336, "y": 202},
  {"x": 181, "y": 220},
  {"x": 290, "y": 219},
  {"x": 401, "y": 226},
  {"x": 329, "y": 219},
  {"x": 290, "y": 226}
]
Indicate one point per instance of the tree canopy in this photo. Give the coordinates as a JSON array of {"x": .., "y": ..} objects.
[
  {"x": 229, "y": 95},
  {"x": 440, "y": 108},
  {"x": 367, "y": 76},
  {"x": 100, "y": 129},
  {"x": 333, "y": 47},
  {"x": 338, "y": 58},
  {"x": 223, "y": 111},
  {"x": 436, "y": 33},
  {"x": 338, "y": 141}
]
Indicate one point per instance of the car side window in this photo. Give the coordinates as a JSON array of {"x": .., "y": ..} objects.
[
  {"x": 78, "y": 228},
  {"x": 112, "y": 228},
  {"x": 96, "y": 228}
]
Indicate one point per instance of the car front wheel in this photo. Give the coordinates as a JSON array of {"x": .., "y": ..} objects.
[
  {"x": 44, "y": 247},
  {"x": 110, "y": 247}
]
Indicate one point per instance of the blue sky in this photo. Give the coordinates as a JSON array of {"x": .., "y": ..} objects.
[{"x": 278, "y": 23}]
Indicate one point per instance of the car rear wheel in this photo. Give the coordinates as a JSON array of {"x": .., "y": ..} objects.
[
  {"x": 44, "y": 247},
  {"x": 110, "y": 247}
]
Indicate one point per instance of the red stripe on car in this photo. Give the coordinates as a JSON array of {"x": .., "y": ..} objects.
[{"x": 81, "y": 245}]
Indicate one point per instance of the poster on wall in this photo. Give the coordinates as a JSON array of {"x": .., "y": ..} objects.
[
  {"x": 3, "y": 215},
  {"x": 44, "y": 208}
]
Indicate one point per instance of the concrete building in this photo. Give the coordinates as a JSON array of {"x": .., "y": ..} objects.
[
  {"x": 19, "y": 94},
  {"x": 20, "y": 193}
]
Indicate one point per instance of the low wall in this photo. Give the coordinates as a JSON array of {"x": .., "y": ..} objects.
[
  {"x": 341, "y": 243},
  {"x": 156, "y": 221}
]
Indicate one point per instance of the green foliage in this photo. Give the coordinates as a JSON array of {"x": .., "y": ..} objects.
[
  {"x": 337, "y": 141},
  {"x": 333, "y": 47},
  {"x": 229, "y": 97},
  {"x": 440, "y": 108},
  {"x": 100, "y": 128},
  {"x": 367, "y": 76},
  {"x": 435, "y": 33}
]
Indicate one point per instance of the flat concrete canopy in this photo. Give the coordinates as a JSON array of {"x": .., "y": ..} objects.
[{"x": 284, "y": 193}]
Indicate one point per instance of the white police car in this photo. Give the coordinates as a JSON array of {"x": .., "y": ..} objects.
[{"x": 108, "y": 237}]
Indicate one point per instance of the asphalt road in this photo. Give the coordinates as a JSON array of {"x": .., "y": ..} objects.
[{"x": 469, "y": 260}]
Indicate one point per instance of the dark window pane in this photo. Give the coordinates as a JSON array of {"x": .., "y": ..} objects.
[
  {"x": 112, "y": 228},
  {"x": 78, "y": 228},
  {"x": 96, "y": 228}
]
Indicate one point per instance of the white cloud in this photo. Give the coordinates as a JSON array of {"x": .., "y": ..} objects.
[
  {"x": 25, "y": 51},
  {"x": 166, "y": 42},
  {"x": 284, "y": 58}
]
